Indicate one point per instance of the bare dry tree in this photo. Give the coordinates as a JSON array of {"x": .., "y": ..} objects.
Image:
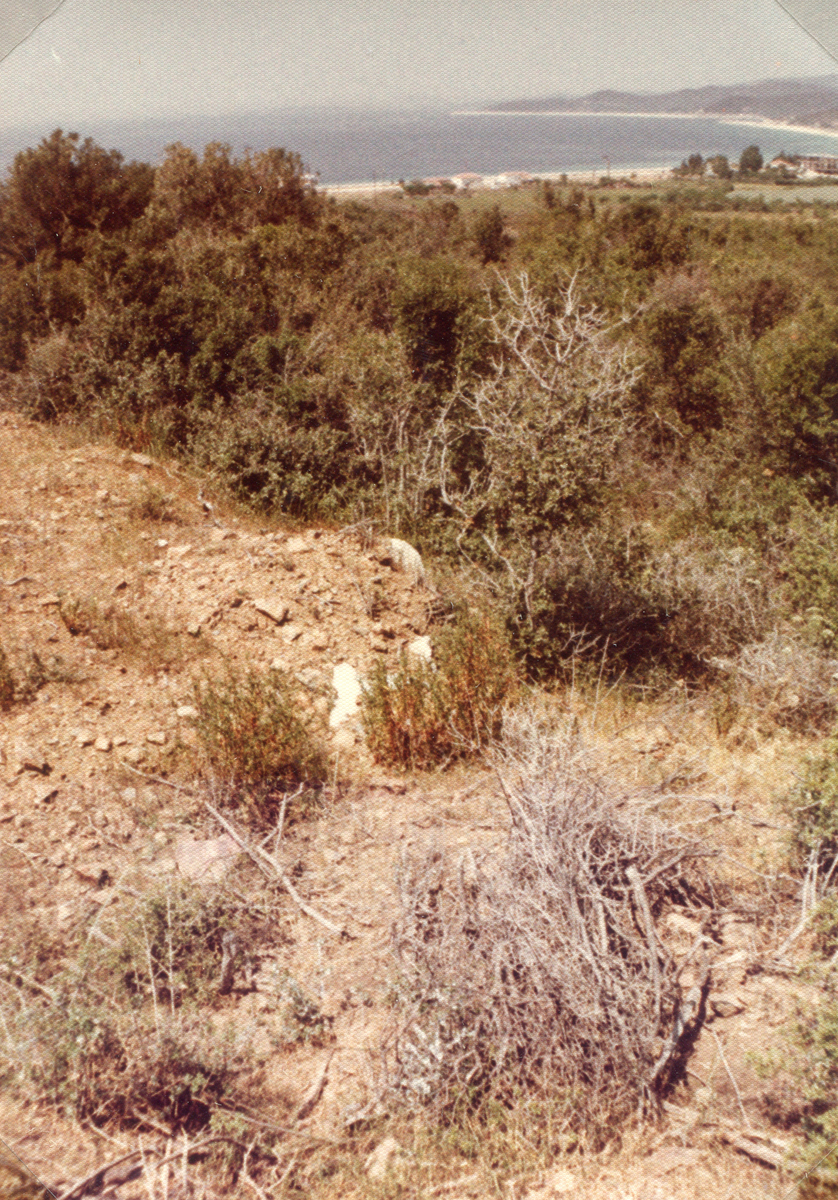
[
  {"x": 540, "y": 972},
  {"x": 516, "y": 454}
]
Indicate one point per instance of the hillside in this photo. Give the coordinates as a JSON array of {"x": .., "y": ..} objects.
[
  {"x": 795, "y": 101},
  {"x": 547, "y": 912},
  {"x": 103, "y": 811}
]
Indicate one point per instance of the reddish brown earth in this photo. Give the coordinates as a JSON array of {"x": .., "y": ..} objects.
[{"x": 98, "y": 802}]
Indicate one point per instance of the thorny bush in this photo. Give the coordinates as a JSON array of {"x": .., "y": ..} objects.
[{"x": 541, "y": 973}]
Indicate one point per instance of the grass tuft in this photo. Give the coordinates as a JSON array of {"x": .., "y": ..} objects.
[
  {"x": 429, "y": 714},
  {"x": 256, "y": 732}
]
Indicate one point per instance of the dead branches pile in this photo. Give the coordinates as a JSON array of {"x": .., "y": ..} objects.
[
  {"x": 540, "y": 972},
  {"x": 786, "y": 679}
]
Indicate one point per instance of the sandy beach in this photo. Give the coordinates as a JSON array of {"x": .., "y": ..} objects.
[
  {"x": 767, "y": 123},
  {"x": 723, "y": 118},
  {"x": 575, "y": 112},
  {"x": 635, "y": 174}
]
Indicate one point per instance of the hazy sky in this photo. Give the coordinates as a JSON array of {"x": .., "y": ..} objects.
[{"x": 124, "y": 59}]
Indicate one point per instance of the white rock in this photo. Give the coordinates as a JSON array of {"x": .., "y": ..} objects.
[
  {"x": 421, "y": 648},
  {"x": 347, "y": 684},
  {"x": 408, "y": 558},
  {"x": 345, "y": 738},
  {"x": 387, "y": 1156}
]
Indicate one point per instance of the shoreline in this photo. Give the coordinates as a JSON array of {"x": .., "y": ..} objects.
[
  {"x": 722, "y": 118},
  {"x": 580, "y": 175},
  {"x": 573, "y": 112},
  {"x": 639, "y": 174},
  {"x": 778, "y": 126}
]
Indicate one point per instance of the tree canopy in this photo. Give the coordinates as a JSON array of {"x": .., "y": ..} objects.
[
  {"x": 750, "y": 160},
  {"x": 63, "y": 190}
]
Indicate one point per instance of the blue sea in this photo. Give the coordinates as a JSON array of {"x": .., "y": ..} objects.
[{"x": 348, "y": 146}]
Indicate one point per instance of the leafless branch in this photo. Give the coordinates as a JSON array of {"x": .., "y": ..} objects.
[{"x": 541, "y": 968}]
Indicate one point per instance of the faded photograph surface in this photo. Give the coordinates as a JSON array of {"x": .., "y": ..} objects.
[{"x": 418, "y": 600}]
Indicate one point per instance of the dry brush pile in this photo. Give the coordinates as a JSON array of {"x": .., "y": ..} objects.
[{"x": 540, "y": 973}]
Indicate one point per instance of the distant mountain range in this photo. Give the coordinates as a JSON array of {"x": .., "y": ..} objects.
[{"x": 795, "y": 101}]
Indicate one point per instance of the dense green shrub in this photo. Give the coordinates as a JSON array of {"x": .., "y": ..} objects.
[
  {"x": 433, "y": 306},
  {"x": 811, "y": 570},
  {"x": 686, "y": 379},
  {"x": 798, "y": 374},
  {"x": 347, "y": 362},
  {"x": 813, "y": 804},
  {"x": 490, "y": 236}
]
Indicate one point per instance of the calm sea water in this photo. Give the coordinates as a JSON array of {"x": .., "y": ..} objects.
[{"x": 343, "y": 146}]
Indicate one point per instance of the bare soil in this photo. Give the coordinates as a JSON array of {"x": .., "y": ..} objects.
[{"x": 99, "y": 801}]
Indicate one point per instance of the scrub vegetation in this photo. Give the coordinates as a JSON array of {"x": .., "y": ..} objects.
[
  {"x": 615, "y": 409},
  {"x": 606, "y": 415}
]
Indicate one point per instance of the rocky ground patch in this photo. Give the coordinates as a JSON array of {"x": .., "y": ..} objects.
[{"x": 120, "y": 584}]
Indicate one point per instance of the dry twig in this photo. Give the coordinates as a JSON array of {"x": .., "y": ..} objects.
[
  {"x": 272, "y": 870},
  {"x": 542, "y": 972}
]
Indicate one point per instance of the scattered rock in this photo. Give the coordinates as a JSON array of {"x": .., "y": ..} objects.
[
  {"x": 407, "y": 558},
  {"x": 207, "y": 860},
  {"x": 157, "y": 737},
  {"x": 187, "y": 711},
  {"x": 273, "y": 609},
  {"x": 386, "y": 1157},
  {"x": 297, "y": 545},
  {"x": 93, "y": 872},
  {"x": 31, "y": 758},
  {"x": 102, "y": 743},
  {"x": 142, "y": 460},
  {"x": 726, "y": 1004},
  {"x": 737, "y": 932},
  {"x": 43, "y": 795}
]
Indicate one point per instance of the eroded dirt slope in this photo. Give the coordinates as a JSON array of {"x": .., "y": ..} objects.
[{"x": 96, "y": 803}]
